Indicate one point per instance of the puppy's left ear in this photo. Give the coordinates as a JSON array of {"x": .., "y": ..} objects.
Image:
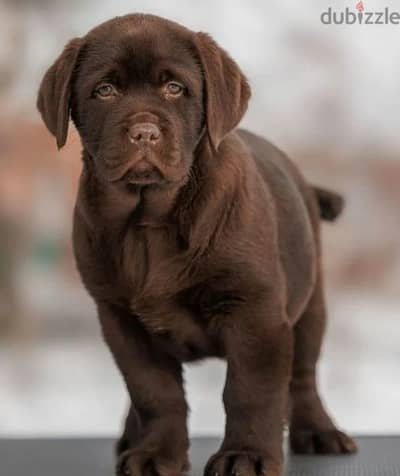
[
  {"x": 55, "y": 92},
  {"x": 227, "y": 89}
]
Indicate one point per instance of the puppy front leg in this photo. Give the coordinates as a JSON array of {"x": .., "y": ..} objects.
[
  {"x": 258, "y": 345},
  {"x": 154, "y": 382}
]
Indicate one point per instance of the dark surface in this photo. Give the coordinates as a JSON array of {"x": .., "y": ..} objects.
[{"x": 378, "y": 456}]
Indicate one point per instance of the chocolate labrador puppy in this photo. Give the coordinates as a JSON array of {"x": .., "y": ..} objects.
[{"x": 195, "y": 239}]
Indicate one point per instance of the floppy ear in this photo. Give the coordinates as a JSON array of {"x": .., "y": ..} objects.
[
  {"x": 227, "y": 89},
  {"x": 55, "y": 90}
]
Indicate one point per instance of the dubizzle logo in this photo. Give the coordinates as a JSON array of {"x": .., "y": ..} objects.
[{"x": 363, "y": 17}]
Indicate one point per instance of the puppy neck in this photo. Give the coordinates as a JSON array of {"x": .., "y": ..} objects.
[{"x": 155, "y": 204}]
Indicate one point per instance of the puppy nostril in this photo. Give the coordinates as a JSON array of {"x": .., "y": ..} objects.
[
  {"x": 155, "y": 136},
  {"x": 145, "y": 132}
]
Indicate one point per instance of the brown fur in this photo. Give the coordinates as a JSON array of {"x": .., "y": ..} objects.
[{"x": 212, "y": 250}]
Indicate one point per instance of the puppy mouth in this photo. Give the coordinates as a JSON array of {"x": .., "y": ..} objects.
[
  {"x": 148, "y": 175},
  {"x": 140, "y": 170},
  {"x": 144, "y": 168}
]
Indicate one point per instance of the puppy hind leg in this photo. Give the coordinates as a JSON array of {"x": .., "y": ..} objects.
[
  {"x": 311, "y": 428},
  {"x": 131, "y": 431}
]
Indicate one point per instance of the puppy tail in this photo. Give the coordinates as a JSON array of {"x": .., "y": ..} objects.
[{"x": 330, "y": 203}]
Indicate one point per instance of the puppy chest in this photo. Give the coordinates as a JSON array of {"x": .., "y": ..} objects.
[{"x": 146, "y": 258}]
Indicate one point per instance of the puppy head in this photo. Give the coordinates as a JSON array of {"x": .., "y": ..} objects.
[{"x": 141, "y": 90}]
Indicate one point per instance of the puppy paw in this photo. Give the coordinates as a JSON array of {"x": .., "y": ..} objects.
[
  {"x": 241, "y": 463},
  {"x": 135, "y": 462},
  {"x": 321, "y": 442}
]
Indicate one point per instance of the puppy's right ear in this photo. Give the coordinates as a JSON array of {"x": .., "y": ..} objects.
[{"x": 55, "y": 92}]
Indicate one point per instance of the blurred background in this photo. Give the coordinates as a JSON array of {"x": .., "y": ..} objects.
[{"x": 327, "y": 94}]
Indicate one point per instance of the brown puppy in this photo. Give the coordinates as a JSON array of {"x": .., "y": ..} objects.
[{"x": 194, "y": 240}]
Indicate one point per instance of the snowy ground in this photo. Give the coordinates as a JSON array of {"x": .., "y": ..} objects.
[{"x": 72, "y": 387}]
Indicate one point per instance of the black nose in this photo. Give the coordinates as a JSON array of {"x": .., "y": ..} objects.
[{"x": 144, "y": 132}]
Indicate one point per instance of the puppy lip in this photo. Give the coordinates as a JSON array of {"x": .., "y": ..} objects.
[
  {"x": 165, "y": 173},
  {"x": 146, "y": 177},
  {"x": 144, "y": 181}
]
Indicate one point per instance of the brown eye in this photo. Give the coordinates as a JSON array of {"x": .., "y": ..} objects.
[
  {"x": 105, "y": 90},
  {"x": 174, "y": 89}
]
